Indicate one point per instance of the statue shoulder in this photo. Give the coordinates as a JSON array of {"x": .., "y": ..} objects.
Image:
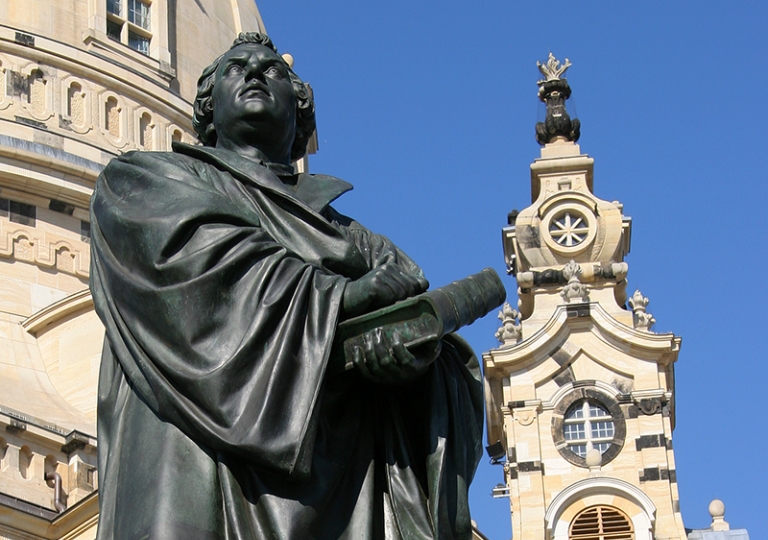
[
  {"x": 168, "y": 165},
  {"x": 155, "y": 160}
]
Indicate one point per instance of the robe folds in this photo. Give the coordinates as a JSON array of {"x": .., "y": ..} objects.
[{"x": 220, "y": 287}]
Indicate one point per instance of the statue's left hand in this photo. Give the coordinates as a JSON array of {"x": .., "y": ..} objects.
[{"x": 387, "y": 361}]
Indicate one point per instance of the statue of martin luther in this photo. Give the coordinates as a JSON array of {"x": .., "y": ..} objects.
[{"x": 221, "y": 277}]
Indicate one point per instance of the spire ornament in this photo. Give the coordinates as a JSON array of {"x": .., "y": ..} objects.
[
  {"x": 552, "y": 69},
  {"x": 511, "y": 330},
  {"x": 574, "y": 290},
  {"x": 554, "y": 91},
  {"x": 643, "y": 320}
]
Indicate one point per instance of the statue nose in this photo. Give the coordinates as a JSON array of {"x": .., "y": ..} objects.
[{"x": 253, "y": 71}]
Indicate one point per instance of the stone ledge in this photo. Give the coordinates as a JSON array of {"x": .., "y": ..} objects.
[{"x": 38, "y": 322}]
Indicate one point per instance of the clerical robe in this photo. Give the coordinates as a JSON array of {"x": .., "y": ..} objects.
[{"x": 220, "y": 286}]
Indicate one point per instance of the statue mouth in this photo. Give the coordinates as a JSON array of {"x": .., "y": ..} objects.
[{"x": 255, "y": 90}]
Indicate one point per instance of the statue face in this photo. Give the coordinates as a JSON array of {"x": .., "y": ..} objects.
[{"x": 253, "y": 98}]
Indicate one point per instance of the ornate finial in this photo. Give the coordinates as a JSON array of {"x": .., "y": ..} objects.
[
  {"x": 572, "y": 270},
  {"x": 554, "y": 90},
  {"x": 643, "y": 320},
  {"x": 511, "y": 331},
  {"x": 552, "y": 69},
  {"x": 574, "y": 290},
  {"x": 717, "y": 511}
]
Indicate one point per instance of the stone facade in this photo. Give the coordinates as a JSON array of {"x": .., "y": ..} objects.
[
  {"x": 581, "y": 392},
  {"x": 80, "y": 82}
]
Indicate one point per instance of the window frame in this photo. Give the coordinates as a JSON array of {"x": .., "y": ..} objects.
[
  {"x": 608, "y": 403},
  {"x": 587, "y": 422},
  {"x": 128, "y": 28}
]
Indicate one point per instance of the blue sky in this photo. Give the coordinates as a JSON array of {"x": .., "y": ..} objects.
[{"x": 428, "y": 108}]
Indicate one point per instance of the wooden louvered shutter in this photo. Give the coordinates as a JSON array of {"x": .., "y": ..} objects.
[{"x": 601, "y": 523}]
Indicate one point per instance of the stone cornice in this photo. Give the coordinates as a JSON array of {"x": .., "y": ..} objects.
[
  {"x": 157, "y": 95},
  {"x": 38, "y": 322},
  {"x": 553, "y": 336},
  {"x": 23, "y": 519},
  {"x": 50, "y": 434}
]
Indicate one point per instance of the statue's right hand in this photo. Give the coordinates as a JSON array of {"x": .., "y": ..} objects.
[{"x": 381, "y": 287}]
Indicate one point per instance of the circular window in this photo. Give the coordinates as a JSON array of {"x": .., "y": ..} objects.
[
  {"x": 587, "y": 419},
  {"x": 568, "y": 229},
  {"x": 588, "y": 425}
]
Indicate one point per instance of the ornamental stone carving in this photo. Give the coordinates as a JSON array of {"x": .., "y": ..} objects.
[
  {"x": 574, "y": 290},
  {"x": 554, "y": 91},
  {"x": 511, "y": 331},
  {"x": 642, "y": 319}
]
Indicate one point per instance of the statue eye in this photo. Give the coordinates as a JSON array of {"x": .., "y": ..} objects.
[
  {"x": 234, "y": 69},
  {"x": 274, "y": 71}
]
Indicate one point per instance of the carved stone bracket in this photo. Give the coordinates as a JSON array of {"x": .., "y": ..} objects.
[
  {"x": 649, "y": 406},
  {"x": 526, "y": 416}
]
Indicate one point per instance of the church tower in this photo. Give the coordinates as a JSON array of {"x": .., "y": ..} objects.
[
  {"x": 81, "y": 81},
  {"x": 580, "y": 394}
]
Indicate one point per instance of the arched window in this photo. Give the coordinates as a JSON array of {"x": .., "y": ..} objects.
[
  {"x": 76, "y": 104},
  {"x": 112, "y": 117},
  {"x": 176, "y": 136},
  {"x": 601, "y": 523}
]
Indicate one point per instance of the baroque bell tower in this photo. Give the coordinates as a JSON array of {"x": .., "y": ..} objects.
[{"x": 580, "y": 393}]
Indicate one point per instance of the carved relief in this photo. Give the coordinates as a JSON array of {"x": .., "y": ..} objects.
[
  {"x": 77, "y": 114},
  {"x": 76, "y": 104},
  {"x": 4, "y": 103},
  {"x": 649, "y": 407},
  {"x": 37, "y": 87},
  {"x": 33, "y": 93},
  {"x": 36, "y": 92},
  {"x": 65, "y": 260},
  {"x": 525, "y": 417},
  {"x": 112, "y": 117},
  {"x": 62, "y": 255},
  {"x": 146, "y": 128},
  {"x": 22, "y": 249}
]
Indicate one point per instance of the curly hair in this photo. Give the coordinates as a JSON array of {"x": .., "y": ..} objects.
[{"x": 202, "y": 119}]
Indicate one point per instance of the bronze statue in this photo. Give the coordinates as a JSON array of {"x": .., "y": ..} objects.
[{"x": 221, "y": 277}]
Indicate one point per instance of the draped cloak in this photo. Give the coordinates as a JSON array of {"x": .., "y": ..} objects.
[{"x": 220, "y": 287}]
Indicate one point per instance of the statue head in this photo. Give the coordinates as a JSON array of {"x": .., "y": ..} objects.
[{"x": 291, "y": 127}]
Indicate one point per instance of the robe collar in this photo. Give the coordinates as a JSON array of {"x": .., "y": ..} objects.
[{"x": 316, "y": 191}]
